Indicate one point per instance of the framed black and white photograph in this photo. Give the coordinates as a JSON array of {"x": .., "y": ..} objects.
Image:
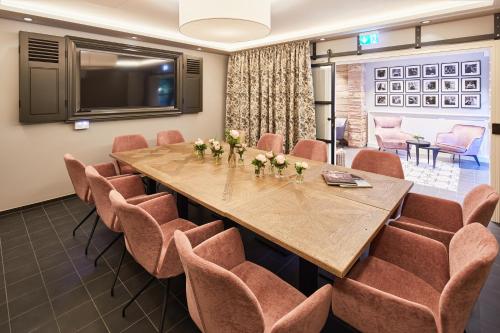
[
  {"x": 381, "y": 100},
  {"x": 412, "y": 100},
  {"x": 396, "y": 72},
  {"x": 449, "y": 69},
  {"x": 430, "y": 70},
  {"x": 396, "y": 86},
  {"x": 396, "y": 100},
  {"x": 430, "y": 101},
  {"x": 381, "y": 73},
  {"x": 381, "y": 87},
  {"x": 449, "y": 101},
  {"x": 412, "y": 86},
  {"x": 412, "y": 72},
  {"x": 471, "y": 101},
  {"x": 430, "y": 85},
  {"x": 449, "y": 85},
  {"x": 471, "y": 84},
  {"x": 471, "y": 68}
]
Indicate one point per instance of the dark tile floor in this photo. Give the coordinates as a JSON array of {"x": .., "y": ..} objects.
[{"x": 47, "y": 284}]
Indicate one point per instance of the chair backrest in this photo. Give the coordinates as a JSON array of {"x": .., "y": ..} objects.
[
  {"x": 472, "y": 252},
  {"x": 125, "y": 143},
  {"x": 76, "y": 172},
  {"x": 388, "y": 122},
  {"x": 100, "y": 188},
  {"x": 479, "y": 205},
  {"x": 223, "y": 302},
  {"x": 464, "y": 134},
  {"x": 271, "y": 142},
  {"x": 142, "y": 232},
  {"x": 311, "y": 149},
  {"x": 380, "y": 162},
  {"x": 169, "y": 137}
]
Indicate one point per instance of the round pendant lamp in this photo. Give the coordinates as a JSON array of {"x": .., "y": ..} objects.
[{"x": 226, "y": 21}]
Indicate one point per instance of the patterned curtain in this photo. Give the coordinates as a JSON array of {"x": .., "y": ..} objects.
[{"x": 270, "y": 90}]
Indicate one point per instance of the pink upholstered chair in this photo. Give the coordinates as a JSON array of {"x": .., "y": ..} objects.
[
  {"x": 131, "y": 187},
  {"x": 149, "y": 229},
  {"x": 379, "y": 162},
  {"x": 76, "y": 172},
  {"x": 463, "y": 140},
  {"x": 440, "y": 219},
  {"x": 125, "y": 143},
  {"x": 311, "y": 149},
  {"x": 169, "y": 137},
  {"x": 271, "y": 142},
  {"x": 388, "y": 133},
  {"x": 410, "y": 283},
  {"x": 226, "y": 293}
]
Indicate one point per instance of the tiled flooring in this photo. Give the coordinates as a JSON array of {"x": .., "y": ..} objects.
[{"x": 47, "y": 284}]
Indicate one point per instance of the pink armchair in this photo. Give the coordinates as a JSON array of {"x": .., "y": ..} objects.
[
  {"x": 388, "y": 133},
  {"x": 463, "y": 140}
]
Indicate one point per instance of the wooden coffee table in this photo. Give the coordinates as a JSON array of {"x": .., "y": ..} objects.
[{"x": 418, "y": 145}]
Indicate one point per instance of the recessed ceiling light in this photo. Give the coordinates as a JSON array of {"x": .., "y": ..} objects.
[
  {"x": 133, "y": 37},
  {"x": 322, "y": 39},
  {"x": 28, "y": 19},
  {"x": 426, "y": 22},
  {"x": 199, "y": 48}
]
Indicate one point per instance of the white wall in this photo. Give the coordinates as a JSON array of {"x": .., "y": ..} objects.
[{"x": 31, "y": 156}]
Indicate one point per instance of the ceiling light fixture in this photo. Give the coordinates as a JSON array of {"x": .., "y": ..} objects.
[
  {"x": 426, "y": 22},
  {"x": 133, "y": 37},
  {"x": 225, "y": 20},
  {"x": 28, "y": 19},
  {"x": 199, "y": 48},
  {"x": 322, "y": 39}
]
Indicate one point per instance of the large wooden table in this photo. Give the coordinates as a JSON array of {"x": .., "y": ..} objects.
[{"x": 329, "y": 227}]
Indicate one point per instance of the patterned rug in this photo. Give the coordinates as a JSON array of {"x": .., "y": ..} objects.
[{"x": 444, "y": 176}]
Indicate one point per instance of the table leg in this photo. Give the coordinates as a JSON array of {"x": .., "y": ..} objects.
[
  {"x": 428, "y": 153},
  {"x": 182, "y": 206},
  {"x": 417, "y": 153},
  {"x": 308, "y": 277},
  {"x": 434, "y": 157},
  {"x": 150, "y": 185},
  {"x": 408, "y": 151}
]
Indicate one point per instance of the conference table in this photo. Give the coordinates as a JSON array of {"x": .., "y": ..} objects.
[{"x": 325, "y": 226}]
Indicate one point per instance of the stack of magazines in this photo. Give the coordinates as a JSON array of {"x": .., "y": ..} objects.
[{"x": 344, "y": 179}]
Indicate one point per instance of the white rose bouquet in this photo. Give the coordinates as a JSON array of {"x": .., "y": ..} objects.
[
  {"x": 200, "y": 147},
  {"x": 300, "y": 167},
  {"x": 232, "y": 138},
  {"x": 280, "y": 163},
  {"x": 216, "y": 149},
  {"x": 241, "y": 149},
  {"x": 270, "y": 155},
  {"x": 259, "y": 162}
]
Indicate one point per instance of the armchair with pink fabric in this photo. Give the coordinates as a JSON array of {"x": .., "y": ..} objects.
[
  {"x": 311, "y": 149},
  {"x": 125, "y": 143},
  {"x": 227, "y": 293},
  {"x": 462, "y": 140},
  {"x": 379, "y": 162},
  {"x": 388, "y": 133},
  {"x": 169, "y": 137},
  {"x": 271, "y": 142},
  {"x": 411, "y": 283},
  {"x": 149, "y": 228},
  {"x": 440, "y": 219}
]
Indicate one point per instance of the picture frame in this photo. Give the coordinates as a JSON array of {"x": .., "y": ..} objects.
[
  {"x": 430, "y": 100},
  {"x": 471, "y": 101},
  {"x": 413, "y": 100},
  {"x": 449, "y": 101},
  {"x": 381, "y": 100},
  {"x": 471, "y": 68},
  {"x": 381, "y": 73},
  {"x": 450, "y": 85},
  {"x": 430, "y": 85},
  {"x": 471, "y": 84},
  {"x": 450, "y": 69},
  {"x": 396, "y": 72},
  {"x": 431, "y": 70},
  {"x": 381, "y": 87},
  {"x": 396, "y": 86},
  {"x": 412, "y": 86},
  {"x": 412, "y": 72},
  {"x": 396, "y": 100}
]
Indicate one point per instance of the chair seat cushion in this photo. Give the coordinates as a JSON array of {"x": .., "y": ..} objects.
[
  {"x": 170, "y": 227},
  {"x": 451, "y": 148},
  {"x": 393, "y": 144},
  {"x": 275, "y": 296},
  {"x": 424, "y": 228}
]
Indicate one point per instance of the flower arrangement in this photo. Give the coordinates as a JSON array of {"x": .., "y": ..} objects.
[
  {"x": 280, "y": 163},
  {"x": 270, "y": 157},
  {"x": 232, "y": 138},
  {"x": 199, "y": 148},
  {"x": 241, "y": 149},
  {"x": 216, "y": 149},
  {"x": 418, "y": 137},
  {"x": 259, "y": 162},
  {"x": 300, "y": 167}
]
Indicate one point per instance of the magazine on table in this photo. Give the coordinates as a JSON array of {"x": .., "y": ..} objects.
[{"x": 344, "y": 179}]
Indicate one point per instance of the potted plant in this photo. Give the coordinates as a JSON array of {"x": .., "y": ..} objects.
[
  {"x": 259, "y": 162},
  {"x": 299, "y": 168},
  {"x": 199, "y": 148}
]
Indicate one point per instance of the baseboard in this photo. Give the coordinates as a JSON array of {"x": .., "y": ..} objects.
[{"x": 17, "y": 209}]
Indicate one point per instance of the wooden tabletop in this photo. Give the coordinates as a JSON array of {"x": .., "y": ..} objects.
[{"x": 329, "y": 226}]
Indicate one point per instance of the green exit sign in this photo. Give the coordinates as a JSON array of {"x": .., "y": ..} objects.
[{"x": 368, "y": 39}]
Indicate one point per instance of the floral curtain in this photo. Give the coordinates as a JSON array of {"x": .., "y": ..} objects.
[{"x": 269, "y": 90}]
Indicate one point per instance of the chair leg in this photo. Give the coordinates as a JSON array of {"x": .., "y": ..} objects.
[
  {"x": 91, "y": 234},
  {"x": 477, "y": 160},
  {"x": 118, "y": 270},
  {"x": 83, "y": 221},
  {"x": 164, "y": 307},
  {"x": 137, "y": 295},
  {"x": 120, "y": 235}
]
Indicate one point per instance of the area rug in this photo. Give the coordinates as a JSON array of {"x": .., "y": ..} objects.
[{"x": 444, "y": 176}]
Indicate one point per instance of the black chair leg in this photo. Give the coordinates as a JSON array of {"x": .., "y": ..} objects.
[
  {"x": 477, "y": 160},
  {"x": 137, "y": 295},
  {"x": 118, "y": 270},
  {"x": 91, "y": 234},
  {"x": 83, "y": 221},
  {"x": 166, "y": 290},
  {"x": 107, "y": 248}
]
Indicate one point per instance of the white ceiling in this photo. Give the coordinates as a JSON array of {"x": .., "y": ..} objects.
[{"x": 291, "y": 19}]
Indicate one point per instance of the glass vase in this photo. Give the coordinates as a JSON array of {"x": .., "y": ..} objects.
[
  {"x": 231, "y": 159},
  {"x": 259, "y": 172},
  {"x": 241, "y": 160},
  {"x": 200, "y": 154},
  {"x": 299, "y": 179},
  {"x": 279, "y": 172},
  {"x": 217, "y": 159}
]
